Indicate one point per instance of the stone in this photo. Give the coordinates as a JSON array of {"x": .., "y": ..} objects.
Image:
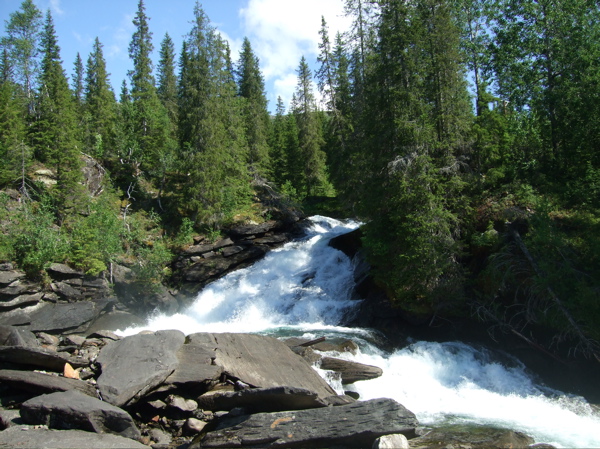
[
  {"x": 159, "y": 437},
  {"x": 350, "y": 371},
  {"x": 63, "y": 271},
  {"x": 256, "y": 400},
  {"x": 196, "y": 369},
  {"x": 73, "y": 410},
  {"x": 69, "y": 372},
  {"x": 20, "y": 301},
  {"x": 39, "y": 383},
  {"x": 261, "y": 362},
  {"x": 247, "y": 230},
  {"x": 8, "y": 277},
  {"x": 103, "y": 333},
  {"x": 396, "y": 441},
  {"x": 37, "y": 357},
  {"x": 183, "y": 404},
  {"x": 63, "y": 318},
  {"x": 135, "y": 365},
  {"x": 350, "y": 426},
  {"x": 13, "y": 336},
  {"x": 76, "y": 340},
  {"x": 10, "y": 418},
  {"x": 64, "y": 439},
  {"x": 200, "y": 249},
  {"x": 65, "y": 291},
  {"x": 193, "y": 425},
  {"x": 20, "y": 287},
  {"x": 472, "y": 436},
  {"x": 47, "y": 339}
]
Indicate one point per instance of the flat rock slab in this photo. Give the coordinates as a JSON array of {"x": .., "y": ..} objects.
[
  {"x": 64, "y": 439},
  {"x": 255, "y": 400},
  {"x": 196, "y": 367},
  {"x": 262, "y": 362},
  {"x": 351, "y": 371},
  {"x": 38, "y": 358},
  {"x": 355, "y": 425},
  {"x": 135, "y": 365},
  {"x": 471, "y": 436},
  {"x": 73, "y": 410},
  {"x": 44, "y": 383},
  {"x": 56, "y": 318}
]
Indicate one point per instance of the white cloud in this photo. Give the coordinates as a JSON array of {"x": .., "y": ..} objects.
[
  {"x": 235, "y": 45},
  {"x": 56, "y": 8},
  {"x": 282, "y": 31}
]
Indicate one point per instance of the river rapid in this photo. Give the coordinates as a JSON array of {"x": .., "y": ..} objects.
[{"x": 304, "y": 289}]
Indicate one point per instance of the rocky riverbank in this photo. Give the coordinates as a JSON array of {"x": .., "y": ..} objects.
[{"x": 67, "y": 381}]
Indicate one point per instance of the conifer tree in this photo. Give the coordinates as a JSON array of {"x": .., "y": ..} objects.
[
  {"x": 256, "y": 116},
  {"x": 100, "y": 105},
  {"x": 55, "y": 127},
  {"x": 22, "y": 42},
  {"x": 167, "y": 80},
  {"x": 77, "y": 81},
  {"x": 310, "y": 136},
  {"x": 278, "y": 144}
]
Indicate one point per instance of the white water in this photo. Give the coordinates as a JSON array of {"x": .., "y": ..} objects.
[{"x": 303, "y": 289}]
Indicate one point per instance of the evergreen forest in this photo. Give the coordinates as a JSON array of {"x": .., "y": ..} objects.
[{"x": 465, "y": 134}]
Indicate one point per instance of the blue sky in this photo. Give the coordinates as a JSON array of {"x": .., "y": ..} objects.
[{"x": 280, "y": 31}]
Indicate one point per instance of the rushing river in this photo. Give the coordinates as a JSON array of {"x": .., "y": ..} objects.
[{"x": 303, "y": 289}]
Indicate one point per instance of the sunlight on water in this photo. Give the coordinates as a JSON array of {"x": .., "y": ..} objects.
[{"x": 303, "y": 289}]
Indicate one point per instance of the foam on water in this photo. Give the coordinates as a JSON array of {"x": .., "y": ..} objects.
[{"x": 303, "y": 288}]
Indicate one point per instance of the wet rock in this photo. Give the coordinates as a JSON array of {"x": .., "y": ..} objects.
[
  {"x": 135, "y": 365},
  {"x": 64, "y": 439},
  {"x": 256, "y": 400},
  {"x": 354, "y": 425},
  {"x": 472, "y": 436},
  {"x": 40, "y": 383},
  {"x": 351, "y": 371},
  {"x": 205, "y": 248},
  {"x": 73, "y": 410}
]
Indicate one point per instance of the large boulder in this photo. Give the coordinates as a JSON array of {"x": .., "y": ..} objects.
[
  {"x": 13, "y": 336},
  {"x": 348, "y": 426},
  {"x": 38, "y": 358},
  {"x": 261, "y": 362},
  {"x": 64, "y": 439},
  {"x": 73, "y": 410},
  {"x": 135, "y": 365},
  {"x": 350, "y": 371}
]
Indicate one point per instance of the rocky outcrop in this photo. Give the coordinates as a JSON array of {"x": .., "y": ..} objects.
[
  {"x": 64, "y": 439},
  {"x": 472, "y": 436},
  {"x": 355, "y": 425}
]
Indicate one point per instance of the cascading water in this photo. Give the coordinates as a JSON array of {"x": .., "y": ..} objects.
[{"x": 303, "y": 289}]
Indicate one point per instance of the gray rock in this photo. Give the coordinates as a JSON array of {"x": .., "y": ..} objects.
[
  {"x": 59, "y": 269},
  {"x": 20, "y": 287},
  {"x": 350, "y": 371},
  {"x": 65, "y": 291},
  {"x": 44, "y": 383},
  {"x": 64, "y": 439},
  {"x": 10, "y": 418},
  {"x": 262, "y": 362},
  {"x": 193, "y": 425},
  {"x": 74, "y": 410},
  {"x": 256, "y": 400},
  {"x": 8, "y": 277},
  {"x": 47, "y": 339},
  {"x": 181, "y": 404},
  {"x": 13, "y": 336},
  {"x": 159, "y": 437},
  {"x": 397, "y": 441},
  {"x": 472, "y": 436},
  {"x": 354, "y": 425},
  {"x": 135, "y": 365},
  {"x": 20, "y": 301},
  {"x": 196, "y": 368},
  {"x": 38, "y": 358},
  {"x": 200, "y": 249},
  {"x": 63, "y": 318}
]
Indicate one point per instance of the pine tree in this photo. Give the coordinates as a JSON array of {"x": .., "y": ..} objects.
[
  {"x": 100, "y": 105},
  {"x": 167, "y": 80},
  {"x": 256, "y": 116},
  {"x": 278, "y": 144},
  {"x": 55, "y": 127},
  {"x": 77, "y": 82}
]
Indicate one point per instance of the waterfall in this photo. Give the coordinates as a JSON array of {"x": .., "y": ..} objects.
[{"x": 303, "y": 289}]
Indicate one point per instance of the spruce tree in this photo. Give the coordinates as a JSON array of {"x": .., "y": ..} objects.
[
  {"x": 278, "y": 146},
  {"x": 55, "y": 131},
  {"x": 310, "y": 136},
  {"x": 77, "y": 82},
  {"x": 256, "y": 116},
  {"x": 167, "y": 79},
  {"x": 100, "y": 106}
]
